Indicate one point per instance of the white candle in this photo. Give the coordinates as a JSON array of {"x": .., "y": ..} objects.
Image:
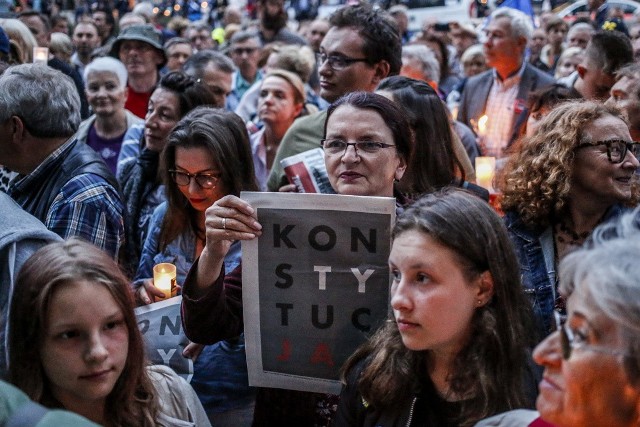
[
  {"x": 40, "y": 55},
  {"x": 164, "y": 278},
  {"x": 485, "y": 170}
]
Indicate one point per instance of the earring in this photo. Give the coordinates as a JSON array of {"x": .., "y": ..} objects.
[{"x": 479, "y": 302}]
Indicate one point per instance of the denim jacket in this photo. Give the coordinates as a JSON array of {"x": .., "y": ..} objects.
[
  {"x": 180, "y": 252},
  {"x": 536, "y": 255}
]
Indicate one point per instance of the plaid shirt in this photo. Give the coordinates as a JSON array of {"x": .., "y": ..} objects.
[
  {"x": 500, "y": 111},
  {"x": 86, "y": 206}
]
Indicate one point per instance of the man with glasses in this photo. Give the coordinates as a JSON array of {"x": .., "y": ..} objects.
[
  {"x": 245, "y": 54},
  {"x": 361, "y": 48},
  {"x": 501, "y": 93},
  {"x": 139, "y": 48}
]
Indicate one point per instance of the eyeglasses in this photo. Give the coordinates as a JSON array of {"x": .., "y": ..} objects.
[
  {"x": 334, "y": 147},
  {"x": 204, "y": 180},
  {"x": 570, "y": 340},
  {"x": 337, "y": 62},
  {"x": 616, "y": 149},
  {"x": 241, "y": 50}
]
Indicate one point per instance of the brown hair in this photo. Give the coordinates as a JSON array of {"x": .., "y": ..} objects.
[
  {"x": 132, "y": 400},
  {"x": 491, "y": 367}
]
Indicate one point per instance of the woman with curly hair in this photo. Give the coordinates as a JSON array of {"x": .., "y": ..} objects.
[
  {"x": 74, "y": 343},
  {"x": 575, "y": 172},
  {"x": 455, "y": 350}
]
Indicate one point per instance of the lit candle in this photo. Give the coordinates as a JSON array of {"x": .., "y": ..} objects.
[
  {"x": 485, "y": 170},
  {"x": 164, "y": 278},
  {"x": 482, "y": 125},
  {"x": 40, "y": 55}
]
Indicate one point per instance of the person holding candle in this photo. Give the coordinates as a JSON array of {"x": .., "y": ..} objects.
[
  {"x": 575, "y": 172},
  {"x": 501, "y": 93},
  {"x": 367, "y": 144},
  {"x": 207, "y": 157},
  {"x": 455, "y": 350},
  {"x": 74, "y": 343}
]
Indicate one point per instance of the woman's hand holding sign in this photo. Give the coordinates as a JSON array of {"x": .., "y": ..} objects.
[{"x": 227, "y": 220}]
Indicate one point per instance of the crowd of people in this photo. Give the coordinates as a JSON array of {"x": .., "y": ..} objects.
[{"x": 130, "y": 142}]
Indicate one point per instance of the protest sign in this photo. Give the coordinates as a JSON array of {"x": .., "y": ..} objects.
[
  {"x": 161, "y": 326},
  {"x": 315, "y": 285}
]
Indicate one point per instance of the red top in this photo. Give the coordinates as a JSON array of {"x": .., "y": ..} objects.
[{"x": 137, "y": 102}]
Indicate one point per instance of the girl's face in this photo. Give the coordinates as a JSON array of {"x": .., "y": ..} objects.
[
  {"x": 432, "y": 299},
  {"x": 85, "y": 345}
]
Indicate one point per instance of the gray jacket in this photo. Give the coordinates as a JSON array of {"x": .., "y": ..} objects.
[{"x": 21, "y": 234}]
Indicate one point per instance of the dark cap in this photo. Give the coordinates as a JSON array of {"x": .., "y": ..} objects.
[{"x": 144, "y": 33}]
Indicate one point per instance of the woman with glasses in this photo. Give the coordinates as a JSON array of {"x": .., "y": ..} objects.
[
  {"x": 575, "y": 172},
  {"x": 367, "y": 144},
  {"x": 137, "y": 169},
  {"x": 592, "y": 361},
  {"x": 455, "y": 350},
  {"x": 207, "y": 157}
]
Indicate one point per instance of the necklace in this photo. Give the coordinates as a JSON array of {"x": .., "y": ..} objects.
[{"x": 569, "y": 235}]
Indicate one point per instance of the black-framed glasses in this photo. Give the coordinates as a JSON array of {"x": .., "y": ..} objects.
[
  {"x": 570, "y": 340},
  {"x": 335, "y": 147},
  {"x": 337, "y": 62},
  {"x": 204, "y": 180},
  {"x": 616, "y": 148}
]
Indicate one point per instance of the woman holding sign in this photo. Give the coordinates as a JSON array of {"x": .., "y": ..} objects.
[
  {"x": 367, "y": 146},
  {"x": 455, "y": 350},
  {"x": 74, "y": 343}
]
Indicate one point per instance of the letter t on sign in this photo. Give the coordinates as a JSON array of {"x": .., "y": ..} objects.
[
  {"x": 362, "y": 278},
  {"x": 322, "y": 277}
]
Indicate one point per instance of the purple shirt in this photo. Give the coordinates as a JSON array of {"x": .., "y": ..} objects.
[{"x": 108, "y": 148}]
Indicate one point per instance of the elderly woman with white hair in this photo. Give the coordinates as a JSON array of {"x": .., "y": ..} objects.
[
  {"x": 592, "y": 361},
  {"x": 106, "y": 89},
  {"x": 420, "y": 63}
]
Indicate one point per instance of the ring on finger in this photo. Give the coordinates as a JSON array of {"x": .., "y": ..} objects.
[{"x": 224, "y": 223}]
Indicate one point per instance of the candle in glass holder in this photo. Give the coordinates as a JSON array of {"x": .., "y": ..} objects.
[
  {"x": 164, "y": 278},
  {"x": 485, "y": 170},
  {"x": 40, "y": 55}
]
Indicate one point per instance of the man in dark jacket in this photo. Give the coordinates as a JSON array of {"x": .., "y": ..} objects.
[{"x": 63, "y": 183}]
